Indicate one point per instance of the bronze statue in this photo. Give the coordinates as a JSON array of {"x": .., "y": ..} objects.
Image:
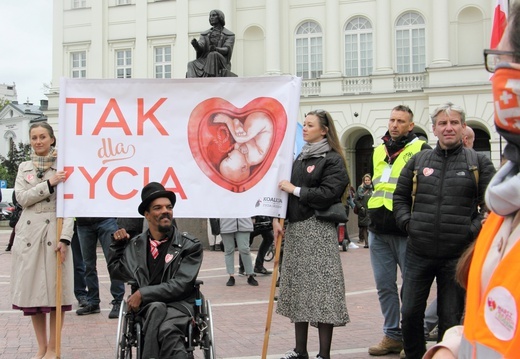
[{"x": 214, "y": 49}]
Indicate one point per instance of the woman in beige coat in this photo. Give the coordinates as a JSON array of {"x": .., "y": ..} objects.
[{"x": 33, "y": 284}]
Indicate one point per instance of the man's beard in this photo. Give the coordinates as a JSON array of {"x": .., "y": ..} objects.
[{"x": 163, "y": 228}]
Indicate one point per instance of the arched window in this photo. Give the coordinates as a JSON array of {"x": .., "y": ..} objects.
[
  {"x": 481, "y": 143},
  {"x": 309, "y": 50},
  {"x": 410, "y": 43},
  {"x": 254, "y": 44},
  {"x": 364, "y": 152},
  {"x": 9, "y": 141},
  {"x": 358, "y": 47}
]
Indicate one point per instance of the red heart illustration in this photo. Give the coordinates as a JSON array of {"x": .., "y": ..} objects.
[
  {"x": 235, "y": 147},
  {"x": 427, "y": 171},
  {"x": 310, "y": 169}
]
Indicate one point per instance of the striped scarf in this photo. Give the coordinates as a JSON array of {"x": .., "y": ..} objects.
[
  {"x": 153, "y": 246},
  {"x": 43, "y": 163}
]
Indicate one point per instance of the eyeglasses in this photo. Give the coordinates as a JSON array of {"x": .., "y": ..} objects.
[{"x": 493, "y": 57}]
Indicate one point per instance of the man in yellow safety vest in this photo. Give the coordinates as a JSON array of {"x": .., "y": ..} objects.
[{"x": 386, "y": 241}]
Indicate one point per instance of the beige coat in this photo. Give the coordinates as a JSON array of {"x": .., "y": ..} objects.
[{"x": 33, "y": 274}]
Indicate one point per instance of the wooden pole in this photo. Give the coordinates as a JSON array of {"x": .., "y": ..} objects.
[
  {"x": 59, "y": 227},
  {"x": 273, "y": 289}
]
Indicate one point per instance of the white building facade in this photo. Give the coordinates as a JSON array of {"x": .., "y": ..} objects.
[
  {"x": 15, "y": 121},
  {"x": 358, "y": 58},
  {"x": 8, "y": 93}
]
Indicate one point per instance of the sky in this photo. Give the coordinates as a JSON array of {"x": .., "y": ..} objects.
[{"x": 26, "y": 47}]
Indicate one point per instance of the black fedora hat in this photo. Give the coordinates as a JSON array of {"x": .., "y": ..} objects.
[{"x": 151, "y": 191}]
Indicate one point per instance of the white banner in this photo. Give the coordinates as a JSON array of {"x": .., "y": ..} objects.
[{"x": 221, "y": 144}]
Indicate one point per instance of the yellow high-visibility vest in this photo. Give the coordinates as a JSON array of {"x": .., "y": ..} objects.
[{"x": 384, "y": 187}]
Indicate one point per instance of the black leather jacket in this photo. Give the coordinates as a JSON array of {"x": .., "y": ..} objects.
[{"x": 127, "y": 262}]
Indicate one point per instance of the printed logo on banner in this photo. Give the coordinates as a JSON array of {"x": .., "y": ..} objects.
[{"x": 269, "y": 202}]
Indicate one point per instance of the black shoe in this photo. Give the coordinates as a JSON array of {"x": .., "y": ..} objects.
[
  {"x": 82, "y": 302},
  {"x": 252, "y": 281},
  {"x": 262, "y": 270},
  {"x": 231, "y": 282},
  {"x": 293, "y": 354},
  {"x": 88, "y": 309},
  {"x": 241, "y": 272},
  {"x": 114, "y": 312},
  {"x": 8, "y": 249},
  {"x": 434, "y": 334}
]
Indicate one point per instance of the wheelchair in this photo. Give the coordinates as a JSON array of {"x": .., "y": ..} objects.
[{"x": 130, "y": 337}]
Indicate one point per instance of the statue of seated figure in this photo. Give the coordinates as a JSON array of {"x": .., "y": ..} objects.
[{"x": 214, "y": 49}]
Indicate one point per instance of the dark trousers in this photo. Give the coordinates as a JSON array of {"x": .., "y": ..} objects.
[
  {"x": 88, "y": 238},
  {"x": 418, "y": 276},
  {"x": 267, "y": 240},
  {"x": 363, "y": 235},
  {"x": 80, "y": 284},
  {"x": 345, "y": 236},
  {"x": 164, "y": 331},
  {"x": 11, "y": 239}
]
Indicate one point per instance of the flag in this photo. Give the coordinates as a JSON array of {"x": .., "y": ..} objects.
[
  {"x": 499, "y": 22},
  {"x": 298, "y": 142}
]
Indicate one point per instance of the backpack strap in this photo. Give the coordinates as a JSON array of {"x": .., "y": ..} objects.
[
  {"x": 414, "y": 187},
  {"x": 473, "y": 164},
  {"x": 418, "y": 162}
]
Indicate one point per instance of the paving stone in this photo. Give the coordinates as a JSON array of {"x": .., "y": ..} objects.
[{"x": 239, "y": 315}]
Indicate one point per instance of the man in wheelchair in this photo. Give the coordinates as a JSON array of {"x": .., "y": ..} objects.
[{"x": 164, "y": 264}]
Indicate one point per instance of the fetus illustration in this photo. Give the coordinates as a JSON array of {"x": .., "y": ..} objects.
[{"x": 253, "y": 139}]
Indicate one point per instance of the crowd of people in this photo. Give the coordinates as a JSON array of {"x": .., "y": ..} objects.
[{"x": 439, "y": 213}]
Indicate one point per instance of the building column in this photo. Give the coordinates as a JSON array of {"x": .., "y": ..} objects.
[
  {"x": 272, "y": 37},
  {"x": 180, "y": 55},
  {"x": 226, "y": 6},
  {"x": 332, "y": 40},
  {"x": 140, "y": 51},
  {"x": 440, "y": 34},
  {"x": 383, "y": 30},
  {"x": 96, "y": 56}
]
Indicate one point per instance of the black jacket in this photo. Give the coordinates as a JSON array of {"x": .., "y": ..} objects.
[
  {"x": 322, "y": 180},
  {"x": 132, "y": 226},
  {"x": 363, "y": 194},
  {"x": 127, "y": 262},
  {"x": 445, "y": 218},
  {"x": 88, "y": 221}
]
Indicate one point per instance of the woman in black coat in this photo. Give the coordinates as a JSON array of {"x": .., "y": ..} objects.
[
  {"x": 363, "y": 194},
  {"x": 312, "y": 287}
]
